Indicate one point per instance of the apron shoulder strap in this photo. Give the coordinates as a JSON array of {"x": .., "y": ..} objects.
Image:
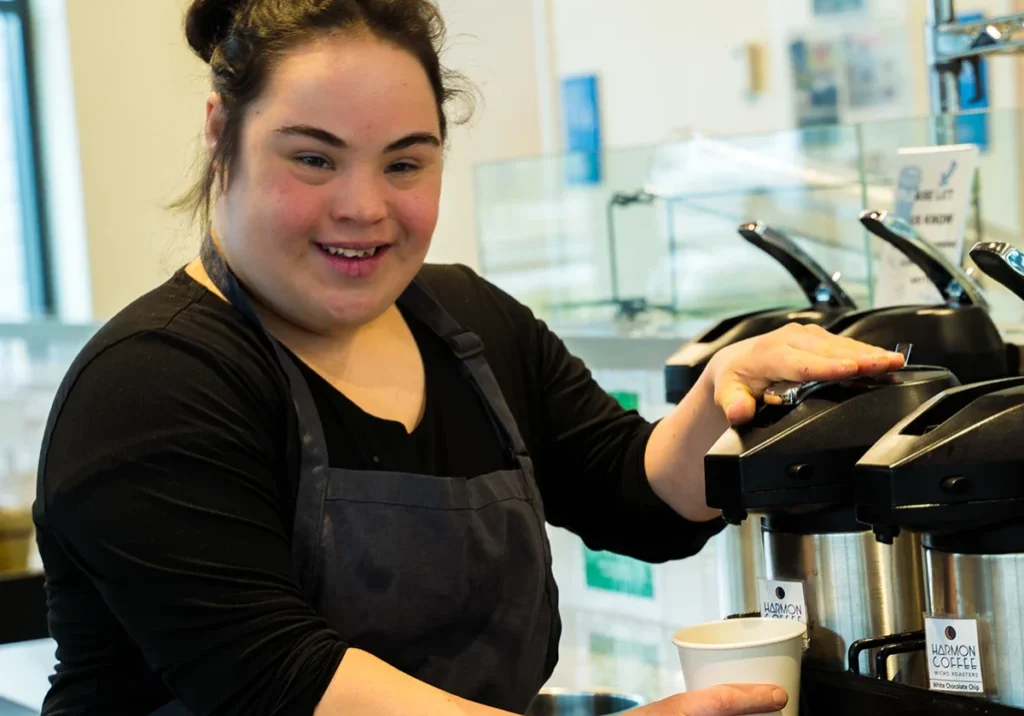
[{"x": 469, "y": 349}]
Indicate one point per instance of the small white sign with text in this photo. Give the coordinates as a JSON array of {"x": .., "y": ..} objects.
[
  {"x": 933, "y": 195},
  {"x": 782, "y": 600},
  {"x": 954, "y": 655}
]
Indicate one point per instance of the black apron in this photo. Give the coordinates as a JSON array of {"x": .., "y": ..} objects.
[{"x": 447, "y": 579}]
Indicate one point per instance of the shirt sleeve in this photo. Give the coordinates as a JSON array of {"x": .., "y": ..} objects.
[
  {"x": 589, "y": 454},
  {"x": 163, "y": 482}
]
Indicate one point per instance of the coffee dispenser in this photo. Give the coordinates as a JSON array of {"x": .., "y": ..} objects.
[
  {"x": 793, "y": 466},
  {"x": 953, "y": 472},
  {"x": 738, "y": 549},
  {"x": 828, "y": 302}
]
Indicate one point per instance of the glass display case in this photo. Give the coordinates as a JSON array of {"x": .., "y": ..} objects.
[{"x": 651, "y": 249}]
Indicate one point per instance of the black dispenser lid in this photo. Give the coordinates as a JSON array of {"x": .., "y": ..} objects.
[
  {"x": 684, "y": 367},
  {"x": 800, "y": 458},
  {"x": 963, "y": 339},
  {"x": 953, "y": 467},
  {"x": 827, "y": 302}
]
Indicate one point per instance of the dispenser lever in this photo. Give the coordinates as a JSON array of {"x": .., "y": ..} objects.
[
  {"x": 792, "y": 393},
  {"x": 788, "y": 393},
  {"x": 1002, "y": 262},
  {"x": 904, "y": 349},
  {"x": 955, "y": 285},
  {"x": 821, "y": 288}
]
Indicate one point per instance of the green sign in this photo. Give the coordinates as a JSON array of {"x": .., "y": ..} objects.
[
  {"x": 615, "y": 573},
  {"x": 629, "y": 401}
]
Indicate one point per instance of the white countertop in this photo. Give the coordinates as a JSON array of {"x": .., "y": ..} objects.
[{"x": 597, "y": 651}]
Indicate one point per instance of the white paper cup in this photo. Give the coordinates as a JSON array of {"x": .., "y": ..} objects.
[{"x": 744, "y": 651}]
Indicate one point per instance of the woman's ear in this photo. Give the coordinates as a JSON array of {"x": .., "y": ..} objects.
[{"x": 215, "y": 120}]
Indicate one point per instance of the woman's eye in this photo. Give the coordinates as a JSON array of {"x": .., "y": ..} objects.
[
  {"x": 401, "y": 168},
  {"x": 314, "y": 162}
]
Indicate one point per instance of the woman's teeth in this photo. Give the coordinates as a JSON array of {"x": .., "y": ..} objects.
[{"x": 350, "y": 253}]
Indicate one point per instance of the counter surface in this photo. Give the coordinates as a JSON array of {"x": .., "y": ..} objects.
[{"x": 597, "y": 650}]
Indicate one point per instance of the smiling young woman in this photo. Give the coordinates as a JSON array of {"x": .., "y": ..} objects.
[{"x": 310, "y": 473}]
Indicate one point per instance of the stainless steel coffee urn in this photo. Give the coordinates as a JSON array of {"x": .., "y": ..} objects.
[
  {"x": 738, "y": 548},
  {"x": 793, "y": 467},
  {"x": 953, "y": 472}
]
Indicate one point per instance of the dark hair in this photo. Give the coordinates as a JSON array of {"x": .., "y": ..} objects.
[{"x": 244, "y": 40}]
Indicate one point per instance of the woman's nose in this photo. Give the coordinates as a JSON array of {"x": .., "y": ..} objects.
[{"x": 361, "y": 201}]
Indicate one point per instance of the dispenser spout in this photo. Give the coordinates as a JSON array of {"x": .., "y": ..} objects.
[
  {"x": 956, "y": 285},
  {"x": 1002, "y": 262},
  {"x": 821, "y": 288}
]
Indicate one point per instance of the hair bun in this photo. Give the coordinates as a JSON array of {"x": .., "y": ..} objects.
[{"x": 208, "y": 22}]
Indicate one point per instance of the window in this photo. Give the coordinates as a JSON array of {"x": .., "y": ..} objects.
[{"x": 25, "y": 288}]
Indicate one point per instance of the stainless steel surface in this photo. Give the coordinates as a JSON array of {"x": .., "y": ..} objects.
[
  {"x": 739, "y": 562},
  {"x": 559, "y": 702},
  {"x": 955, "y": 284},
  {"x": 855, "y": 587},
  {"x": 990, "y": 588}
]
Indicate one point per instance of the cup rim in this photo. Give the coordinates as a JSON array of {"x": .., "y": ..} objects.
[{"x": 799, "y": 630}]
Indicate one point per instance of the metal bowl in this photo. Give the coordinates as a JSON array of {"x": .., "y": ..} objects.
[{"x": 562, "y": 702}]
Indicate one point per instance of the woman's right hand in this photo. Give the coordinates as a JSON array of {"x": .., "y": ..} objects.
[{"x": 736, "y": 700}]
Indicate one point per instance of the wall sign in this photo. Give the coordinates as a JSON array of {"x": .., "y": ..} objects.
[
  {"x": 615, "y": 573},
  {"x": 933, "y": 195},
  {"x": 581, "y": 124}
]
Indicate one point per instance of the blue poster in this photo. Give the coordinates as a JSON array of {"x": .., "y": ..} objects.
[
  {"x": 974, "y": 97},
  {"x": 581, "y": 122}
]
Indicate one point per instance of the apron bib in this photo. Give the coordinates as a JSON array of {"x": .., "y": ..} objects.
[{"x": 446, "y": 578}]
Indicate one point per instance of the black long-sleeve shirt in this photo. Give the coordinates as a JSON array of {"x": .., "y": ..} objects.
[{"x": 169, "y": 474}]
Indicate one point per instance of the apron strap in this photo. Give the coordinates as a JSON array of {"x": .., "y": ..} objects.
[
  {"x": 223, "y": 278},
  {"x": 314, "y": 460},
  {"x": 469, "y": 349}
]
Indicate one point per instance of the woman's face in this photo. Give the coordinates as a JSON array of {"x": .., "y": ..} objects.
[{"x": 333, "y": 200}]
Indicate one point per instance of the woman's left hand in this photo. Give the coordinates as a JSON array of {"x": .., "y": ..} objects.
[{"x": 743, "y": 371}]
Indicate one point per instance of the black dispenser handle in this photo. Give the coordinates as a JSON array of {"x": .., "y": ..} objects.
[
  {"x": 821, "y": 288},
  {"x": 955, "y": 285},
  {"x": 1002, "y": 262},
  {"x": 883, "y": 654},
  {"x": 879, "y": 642}
]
